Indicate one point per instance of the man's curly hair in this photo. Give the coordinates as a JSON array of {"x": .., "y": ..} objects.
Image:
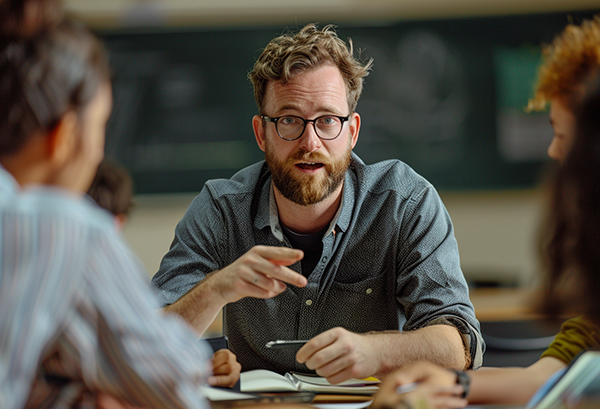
[
  {"x": 568, "y": 62},
  {"x": 290, "y": 54}
]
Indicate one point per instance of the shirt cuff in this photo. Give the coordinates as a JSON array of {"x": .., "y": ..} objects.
[{"x": 472, "y": 340}]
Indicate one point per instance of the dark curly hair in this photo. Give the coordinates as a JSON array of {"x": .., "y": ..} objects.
[{"x": 112, "y": 188}]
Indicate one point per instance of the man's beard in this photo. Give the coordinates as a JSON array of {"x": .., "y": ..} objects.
[{"x": 307, "y": 189}]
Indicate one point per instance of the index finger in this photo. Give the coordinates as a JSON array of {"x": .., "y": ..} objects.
[
  {"x": 287, "y": 275},
  {"x": 315, "y": 345},
  {"x": 278, "y": 258},
  {"x": 283, "y": 256}
]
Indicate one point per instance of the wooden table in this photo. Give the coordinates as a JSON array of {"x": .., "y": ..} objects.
[{"x": 503, "y": 304}]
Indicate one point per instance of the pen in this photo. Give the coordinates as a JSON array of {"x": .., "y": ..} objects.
[
  {"x": 281, "y": 343},
  {"x": 407, "y": 387}
]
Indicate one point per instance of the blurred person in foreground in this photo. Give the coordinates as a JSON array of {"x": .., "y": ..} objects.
[
  {"x": 79, "y": 325},
  {"x": 570, "y": 63},
  {"x": 112, "y": 190},
  {"x": 314, "y": 244}
]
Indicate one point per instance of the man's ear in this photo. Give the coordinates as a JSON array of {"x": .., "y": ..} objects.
[
  {"x": 354, "y": 129},
  {"x": 62, "y": 139},
  {"x": 259, "y": 131}
]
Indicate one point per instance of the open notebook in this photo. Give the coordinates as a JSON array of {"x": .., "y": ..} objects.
[{"x": 261, "y": 380}]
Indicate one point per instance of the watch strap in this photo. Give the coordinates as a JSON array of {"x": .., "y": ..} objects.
[{"x": 463, "y": 378}]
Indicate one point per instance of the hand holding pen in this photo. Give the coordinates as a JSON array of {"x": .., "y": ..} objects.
[{"x": 422, "y": 384}]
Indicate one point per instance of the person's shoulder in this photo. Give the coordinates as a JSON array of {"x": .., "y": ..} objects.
[
  {"x": 242, "y": 183},
  {"x": 581, "y": 324},
  {"x": 391, "y": 174},
  {"x": 49, "y": 204}
]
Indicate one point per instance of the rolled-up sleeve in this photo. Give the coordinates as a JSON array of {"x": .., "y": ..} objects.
[
  {"x": 430, "y": 284},
  {"x": 195, "y": 250}
]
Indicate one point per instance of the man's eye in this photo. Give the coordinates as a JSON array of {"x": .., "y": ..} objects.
[
  {"x": 288, "y": 120},
  {"x": 328, "y": 120}
]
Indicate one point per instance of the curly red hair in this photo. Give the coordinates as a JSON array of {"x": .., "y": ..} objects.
[{"x": 568, "y": 62}]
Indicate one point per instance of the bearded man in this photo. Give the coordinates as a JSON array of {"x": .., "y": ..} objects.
[{"x": 312, "y": 244}]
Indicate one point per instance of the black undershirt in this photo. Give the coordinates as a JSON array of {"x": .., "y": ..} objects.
[{"x": 311, "y": 244}]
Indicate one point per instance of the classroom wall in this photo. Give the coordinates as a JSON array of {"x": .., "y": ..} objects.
[{"x": 110, "y": 13}]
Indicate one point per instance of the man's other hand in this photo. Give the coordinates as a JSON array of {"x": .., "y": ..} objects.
[{"x": 338, "y": 355}]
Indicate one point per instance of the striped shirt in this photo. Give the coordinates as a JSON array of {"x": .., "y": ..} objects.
[{"x": 77, "y": 316}]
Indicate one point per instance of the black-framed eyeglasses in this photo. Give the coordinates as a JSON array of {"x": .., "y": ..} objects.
[{"x": 290, "y": 127}]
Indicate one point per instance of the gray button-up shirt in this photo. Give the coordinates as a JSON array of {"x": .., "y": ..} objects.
[{"x": 390, "y": 262}]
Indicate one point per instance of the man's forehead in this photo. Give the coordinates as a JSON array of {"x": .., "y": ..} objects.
[{"x": 325, "y": 87}]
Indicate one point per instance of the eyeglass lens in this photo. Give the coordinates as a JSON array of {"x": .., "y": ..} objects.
[{"x": 326, "y": 127}]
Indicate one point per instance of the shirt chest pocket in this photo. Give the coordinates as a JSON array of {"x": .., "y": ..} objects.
[{"x": 366, "y": 305}]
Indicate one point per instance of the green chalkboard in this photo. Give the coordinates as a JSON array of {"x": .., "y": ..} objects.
[{"x": 445, "y": 96}]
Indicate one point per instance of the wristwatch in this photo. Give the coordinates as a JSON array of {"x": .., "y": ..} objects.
[{"x": 463, "y": 378}]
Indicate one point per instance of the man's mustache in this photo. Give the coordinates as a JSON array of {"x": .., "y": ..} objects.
[{"x": 304, "y": 156}]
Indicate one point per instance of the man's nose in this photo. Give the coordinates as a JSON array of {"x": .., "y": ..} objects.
[{"x": 309, "y": 139}]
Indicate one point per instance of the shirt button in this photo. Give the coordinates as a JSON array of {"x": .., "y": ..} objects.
[
  {"x": 324, "y": 258},
  {"x": 369, "y": 290},
  {"x": 308, "y": 302}
]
